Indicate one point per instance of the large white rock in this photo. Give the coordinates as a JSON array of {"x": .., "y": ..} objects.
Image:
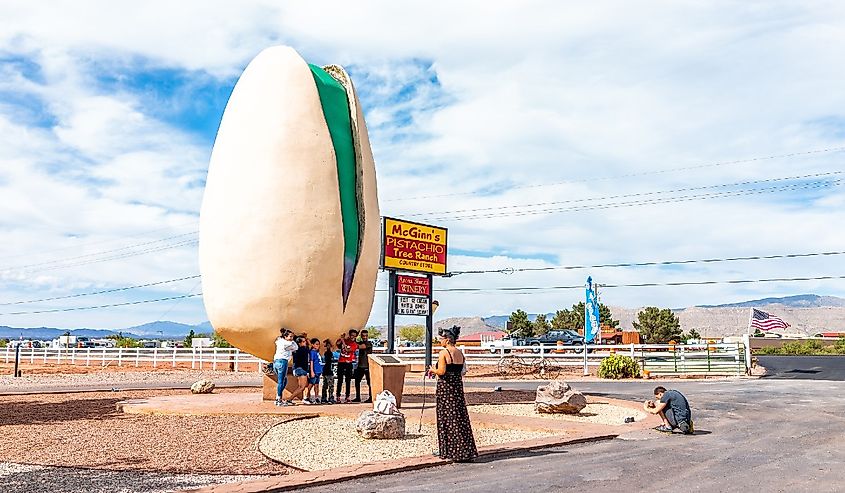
[
  {"x": 271, "y": 238},
  {"x": 559, "y": 398},
  {"x": 202, "y": 387},
  {"x": 371, "y": 424}
]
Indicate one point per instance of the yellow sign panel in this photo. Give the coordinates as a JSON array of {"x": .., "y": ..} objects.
[{"x": 413, "y": 247}]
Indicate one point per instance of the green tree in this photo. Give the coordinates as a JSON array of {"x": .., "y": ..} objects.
[
  {"x": 693, "y": 334},
  {"x": 189, "y": 338},
  {"x": 373, "y": 332},
  {"x": 519, "y": 324},
  {"x": 414, "y": 333},
  {"x": 658, "y": 326},
  {"x": 219, "y": 341},
  {"x": 606, "y": 317},
  {"x": 561, "y": 319},
  {"x": 4, "y": 342},
  {"x": 126, "y": 342},
  {"x": 574, "y": 318},
  {"x": 541, "y": 325}
]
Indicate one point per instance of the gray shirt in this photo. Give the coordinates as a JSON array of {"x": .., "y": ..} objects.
[{"x": 678, "y": 404}]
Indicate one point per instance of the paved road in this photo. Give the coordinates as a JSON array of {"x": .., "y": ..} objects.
[
  {"x": 752, "y": 435},
  {"x": 804, "y": 367}
]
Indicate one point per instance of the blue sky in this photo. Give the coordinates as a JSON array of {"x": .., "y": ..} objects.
[{"x": 108, "y": 111}]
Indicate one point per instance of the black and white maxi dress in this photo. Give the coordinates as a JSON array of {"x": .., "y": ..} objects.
[{"x": 454, "y": 432}]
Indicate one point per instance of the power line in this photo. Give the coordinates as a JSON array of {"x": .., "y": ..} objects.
[
  {"x": 508, "y": 270},
  {"x": 634, "y": 203},
  {"x": 115, "y": 290},
  {"x": 129, "y": 247},
  {"x": 116, "y": 257},
  {"x": 503, "y": 288},
  {"x": 101, "y": 306},
  {"x": 175, "y": 303},
  {"x": 631, "y": 175},
  {"x": 639, "y": 285},
  {"x": 98, "y": 242},
  {"x": 511, "y": 270},
  {"x": 642, "y": 194}
]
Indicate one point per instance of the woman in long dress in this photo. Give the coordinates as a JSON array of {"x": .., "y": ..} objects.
[{"x": 454, "y": 432}]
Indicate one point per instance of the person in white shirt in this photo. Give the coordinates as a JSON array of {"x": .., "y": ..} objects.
[{"x": 285, "y": 346}]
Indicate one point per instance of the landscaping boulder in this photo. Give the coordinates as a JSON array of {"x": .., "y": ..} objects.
[
  {"x": 202, "y": 387},
  {"x": 559, "y": 398},
  {"x": 381, "y": 426}
]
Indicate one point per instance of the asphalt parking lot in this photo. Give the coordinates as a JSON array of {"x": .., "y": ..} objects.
[
  {"x": 777, "y": 434},
  {"x": 804, "y": 367}
]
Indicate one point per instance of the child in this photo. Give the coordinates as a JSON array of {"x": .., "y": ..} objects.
[
  {"x": 328, "y": 373},
  {"x": 301, "y": 367},
  {"x": 315, "y": 367}
]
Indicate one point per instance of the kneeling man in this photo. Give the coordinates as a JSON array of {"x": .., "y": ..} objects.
[{"x": 673, "y": 409}]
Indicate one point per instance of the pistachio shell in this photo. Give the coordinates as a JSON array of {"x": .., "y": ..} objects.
[{"x": 271, "y": 235}]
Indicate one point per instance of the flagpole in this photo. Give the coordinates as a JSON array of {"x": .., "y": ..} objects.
[{"x": 750, "y": 317}]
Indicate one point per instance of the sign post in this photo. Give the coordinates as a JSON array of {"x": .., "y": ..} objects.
[
  {"x": 429, "y": 329},
  {"x": 391, "y": 309},
  {"x": 414, "y": 248}
]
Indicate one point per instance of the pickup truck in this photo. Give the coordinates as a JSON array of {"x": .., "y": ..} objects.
[{"x": 567, "y": 336}]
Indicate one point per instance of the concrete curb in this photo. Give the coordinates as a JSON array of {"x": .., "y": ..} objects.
[{"x": 358, "y": 471}]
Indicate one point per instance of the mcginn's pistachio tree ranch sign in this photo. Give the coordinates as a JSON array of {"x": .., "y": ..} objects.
[{"x": 413, "y": 247}]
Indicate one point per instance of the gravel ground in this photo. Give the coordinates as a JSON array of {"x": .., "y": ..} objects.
[
  {"x": 597, "y": 413},
  {"x": 21, "y": 478},
  {"x": 327, "y": 442},
  {"x": 90, "y": 376},
  {"x": 85, "y": 430}
]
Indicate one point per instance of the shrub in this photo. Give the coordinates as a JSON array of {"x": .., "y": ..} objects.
[
  {"x": 839, "y": 346},
  {"x": 617, "y": 366}
]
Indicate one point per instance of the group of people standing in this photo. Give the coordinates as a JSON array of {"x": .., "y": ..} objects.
[
  {"x": 310, "y": 361},
  {"x": 348, "y": 358}
]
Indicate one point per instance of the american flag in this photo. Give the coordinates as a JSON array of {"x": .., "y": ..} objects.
[{"x": 763, "y": 321}]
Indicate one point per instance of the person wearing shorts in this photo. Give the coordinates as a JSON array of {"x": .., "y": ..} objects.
[
  {"x": 673, "y": 409},
  {"x": 315, "y": 371},
  {"x": 301, "y": 366}
]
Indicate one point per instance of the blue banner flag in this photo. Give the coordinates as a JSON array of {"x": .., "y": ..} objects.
[{"x": 591, "y": 314}]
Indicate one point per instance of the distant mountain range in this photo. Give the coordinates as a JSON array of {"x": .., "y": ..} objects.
[
  {"x": 798, "y": 301},
  {"x": 156, "y": 330},
  {"x": 724, "y": 318}
]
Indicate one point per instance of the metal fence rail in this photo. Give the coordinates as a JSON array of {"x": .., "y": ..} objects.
[{"x": 710, "y": 359}]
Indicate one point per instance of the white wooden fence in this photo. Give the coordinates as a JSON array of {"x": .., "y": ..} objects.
[
  {"x": 704, "y": 359},
  {"x": 198, "y": 358}
]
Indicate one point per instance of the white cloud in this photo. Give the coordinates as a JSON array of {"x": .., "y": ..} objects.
[{"x": 532, "y": 93}]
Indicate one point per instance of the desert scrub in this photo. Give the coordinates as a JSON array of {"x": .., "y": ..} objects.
[
  {"x": 805, "y": 348},
  {"x": 617, "y": 366}
]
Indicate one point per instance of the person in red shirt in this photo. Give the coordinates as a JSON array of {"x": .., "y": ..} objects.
[{"x": 347, "y": 346}]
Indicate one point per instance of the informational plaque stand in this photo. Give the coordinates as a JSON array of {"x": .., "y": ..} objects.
[{"x": 387, "y": 372}]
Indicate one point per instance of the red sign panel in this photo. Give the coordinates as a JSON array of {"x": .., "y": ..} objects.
[{"x": 413, "y": 285}]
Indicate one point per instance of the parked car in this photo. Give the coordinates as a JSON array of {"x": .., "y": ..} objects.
[
  {"x": 84, "y": 342},
  {"x": 551, "y": 338}
]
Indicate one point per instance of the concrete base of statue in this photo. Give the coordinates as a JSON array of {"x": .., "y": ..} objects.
[{"x": 269, "y": 388}]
